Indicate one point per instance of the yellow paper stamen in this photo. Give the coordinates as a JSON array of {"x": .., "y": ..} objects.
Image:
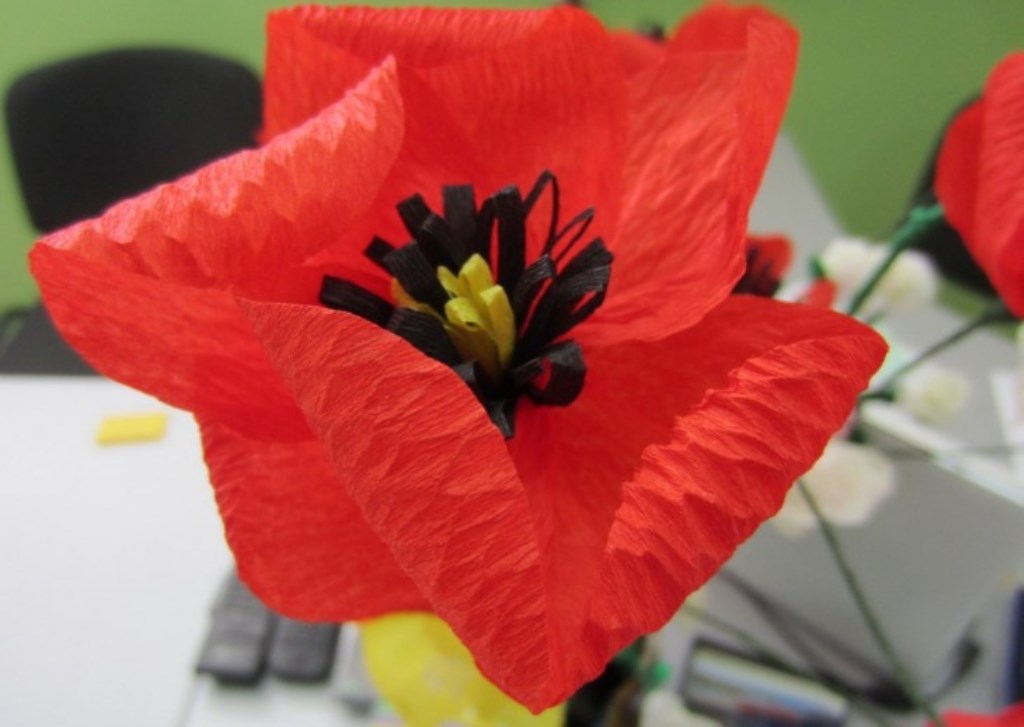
[{"x": 478, "y": 317}]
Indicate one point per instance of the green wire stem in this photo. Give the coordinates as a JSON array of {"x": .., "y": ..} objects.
[
  {"x": 899, "y": 669},
  {"x": 918, "y": 222},
  {"x": 996, "y": 313}
]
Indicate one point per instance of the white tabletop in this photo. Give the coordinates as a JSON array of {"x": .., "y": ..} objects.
[{"x": 108, "y": 558}]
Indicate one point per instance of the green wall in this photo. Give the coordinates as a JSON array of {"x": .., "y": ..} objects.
[{"x": 876, "y": 80}]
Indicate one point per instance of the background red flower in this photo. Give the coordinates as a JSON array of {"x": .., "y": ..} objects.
[
  {"x": 978, "y": 180},
  {"x": 1012, "y": 716}
]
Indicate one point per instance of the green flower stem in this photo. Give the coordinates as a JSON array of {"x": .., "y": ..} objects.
[
  {"x": 996, "y": 313},
  {"x": 918, "y": 222},
  {"x": 899, "y": 669},
  {"x": 762, "y": 650}
]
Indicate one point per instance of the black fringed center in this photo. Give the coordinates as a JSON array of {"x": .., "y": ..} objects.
[{"x": 547, "y": 297}]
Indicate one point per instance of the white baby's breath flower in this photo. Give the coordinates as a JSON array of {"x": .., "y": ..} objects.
[
  {"x": 664, "y": 708},
  {"x": 911, "y": 283},
  {"x": 849, "y": 261},
  {"x": 933, "y": 394},
  {"x": 849, "y": 482}
]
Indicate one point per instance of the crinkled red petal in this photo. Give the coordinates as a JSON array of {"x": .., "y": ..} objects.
[
  {"x": 770, "y": 45},
  {"x": 978, "y": 180},
  {"x": 637, "y": 52},
  {"x": 135, "y": 291},
  {"x": 956, "y": 173},
  {"x": 730, "y": 459},
  {"x": 435, "y": 151},
  {"x": 708, "y": 428},
  {"x": 528, "y": 91},
  {"x": 420, "y": 37},
  {"x": 304, "y": 74},
  {"x": 821, "y": 293},
  {"x": 1012, "y": 716},
  {"x": 187, "y": 346},
  {"x": 516, "y": 557},
  {"x": 298, "y": 538},
  {"x": 702, "y": 127},
  {"x": 430, "y": 474},
  {"x": 239, "y": 222}
]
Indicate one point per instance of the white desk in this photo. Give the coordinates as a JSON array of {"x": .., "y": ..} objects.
[{"x": 109, "y": 557}]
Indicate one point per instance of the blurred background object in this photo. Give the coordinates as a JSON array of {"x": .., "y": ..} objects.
[{"x": 88, "y": 131}]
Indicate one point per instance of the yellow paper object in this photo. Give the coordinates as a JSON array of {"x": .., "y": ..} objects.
[
  {"x": 427, "y": 675},
  {"x": 128, "y": 428}
]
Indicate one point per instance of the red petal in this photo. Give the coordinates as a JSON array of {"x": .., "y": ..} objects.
[
  {"x": 298, "y": 538},
  {"x": 821, "y": 294},
  {"x": 978, "y": 180},
  {"x": 432, "y": 477},
  {"x": 434, "y": 152},
  {"x": 519, "y": 85},
  {"x": 637, "y": 52},
  {"x": 702, "y": 130},
  {"x": 709, "y": 428},
  {"x": 553, "y": 101},
  {"x": 187, "y": 346},
  {"x": 239, "y": 221},
  {"x": 1012, "y": 716},
  {"x": 315, "y": 54},
  {"x": 304, "y": 74},
  {"x": 419, "y": 37},
  {"x": 956, "y": 174},
  {"x": 770, "y": 45},
  {"x": 731, "y": 458}
]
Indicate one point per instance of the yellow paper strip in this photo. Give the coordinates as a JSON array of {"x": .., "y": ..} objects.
[{"x": 130, "y": 428}]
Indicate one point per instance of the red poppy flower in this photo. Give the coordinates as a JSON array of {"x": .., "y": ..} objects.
[
  {"x": 1010, "y": 717},
  {"x": 357, "y": 473},
  {"x": 978, "y": 180}
]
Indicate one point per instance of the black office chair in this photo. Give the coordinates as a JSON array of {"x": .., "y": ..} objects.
[{"x": 93, "y": 130}]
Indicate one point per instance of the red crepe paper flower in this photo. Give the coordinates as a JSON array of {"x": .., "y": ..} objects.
[
  {"x": 978, "y": 180},
  {"x": 358, "y": 475},
  {"x": 1012, "y": 716}
]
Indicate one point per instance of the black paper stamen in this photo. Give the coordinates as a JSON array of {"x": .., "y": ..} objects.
[
  {"x": 347, "y": 296},
  {"x": 548, "y": 299}
]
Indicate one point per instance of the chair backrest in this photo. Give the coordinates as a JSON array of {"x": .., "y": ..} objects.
[{"x": 90, "y": 131}]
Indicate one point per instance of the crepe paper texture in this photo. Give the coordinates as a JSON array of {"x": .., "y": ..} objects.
[
  {"x": 1012, "y": 716},
  {"x": 132, "y": 428},
  {"x": 425, "y": 673},
  {"x": 357, "y": 476},
  {"x": 978, "y": 180}
]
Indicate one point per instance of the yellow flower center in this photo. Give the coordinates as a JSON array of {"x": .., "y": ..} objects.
[{"x": 478, "y": 317}]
